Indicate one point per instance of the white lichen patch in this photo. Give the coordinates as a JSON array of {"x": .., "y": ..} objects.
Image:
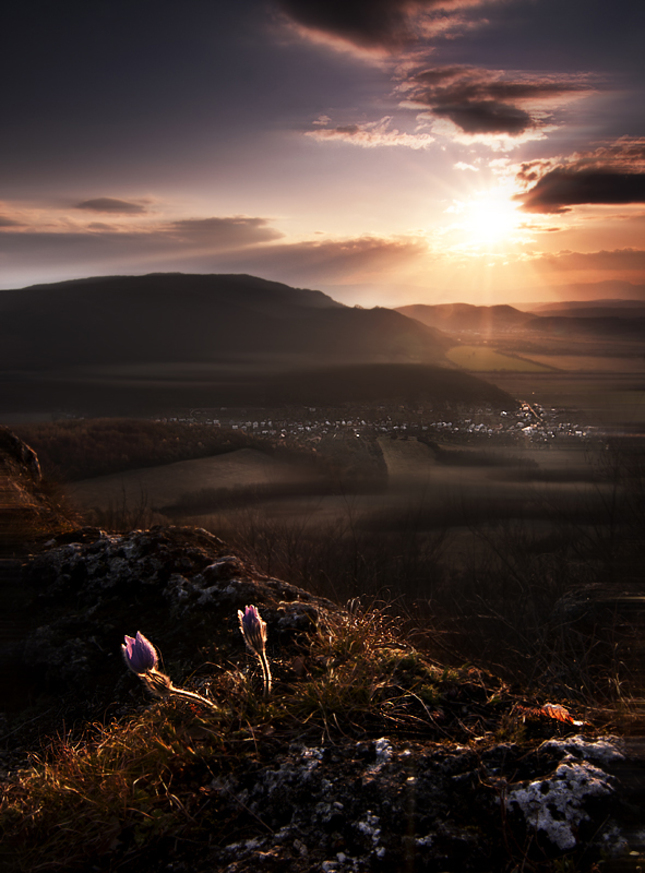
[
  {"x": 613, "y": 842},
  {"x": 556, "y": 805},
  {"x": 383, "y": 750},
  {"x": 602, "y": 751},
  {"x": 370, "y": 827}
]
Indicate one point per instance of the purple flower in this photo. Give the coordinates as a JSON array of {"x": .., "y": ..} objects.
[
  {"x": 139, "y": 654},
  {"x": 254, "y": 629}
]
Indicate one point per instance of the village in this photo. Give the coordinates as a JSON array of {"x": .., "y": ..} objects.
[{"x": 526, "y": 422}]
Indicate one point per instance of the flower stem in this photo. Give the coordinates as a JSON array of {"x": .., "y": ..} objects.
[
  {"x": 266, "y": 674},
  {"x": 192, "y": 695}
]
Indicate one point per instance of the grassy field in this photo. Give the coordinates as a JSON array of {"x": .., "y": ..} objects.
[
  {"x": 163, "y": 486},
  {"x": 601, "y": 399},
  {"x": 464, "y": 487},
  {"x": 482, "y": 359},
  {"x": 625, "y": 365}
]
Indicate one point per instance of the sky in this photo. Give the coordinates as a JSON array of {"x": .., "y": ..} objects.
[{"x": 387, "y": 152}]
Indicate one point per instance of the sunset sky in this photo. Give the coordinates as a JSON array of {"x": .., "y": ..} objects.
[{"x": 385, "y": 151}]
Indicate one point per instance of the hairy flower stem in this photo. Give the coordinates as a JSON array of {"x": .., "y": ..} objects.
[
  {"x": 266, "y": 673},
  {"x": 161, "y": 686}
]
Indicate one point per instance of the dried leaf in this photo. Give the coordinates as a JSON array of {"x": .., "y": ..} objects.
[{"x": 560, "y": 713}]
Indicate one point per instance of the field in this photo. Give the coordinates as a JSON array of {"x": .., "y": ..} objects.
[
  {"x": 482, "y": 359},
  {"x": 615, "y": 400},
  {"x": 161, "y": 487}
]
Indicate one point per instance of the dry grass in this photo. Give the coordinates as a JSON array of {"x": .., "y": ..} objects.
[{"x": 131, "y": 785}]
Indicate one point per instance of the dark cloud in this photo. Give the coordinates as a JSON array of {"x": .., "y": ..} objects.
[
  {"x": 486, "y": 101},
  {"x": 559, "y": 190},
  {"x": 450, "y": 84},
  {"x": 611, "y": 174},
  {"x": 110, "y": 204},
  {"x": 486, "y": 117},
  {"x": 9, "y": 222},
  {"x": 228, "y": 232},
  {"x": 388, "y": 24}
]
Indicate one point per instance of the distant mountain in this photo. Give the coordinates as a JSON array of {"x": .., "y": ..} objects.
[
  {"x": 464, "y": 317},
  {"x": 177, "y": 318},
  {"x": 609, "y": 291},
  {"x": 603, "y": 327},
  {"x": 581, "y": 320},
  {"x": 592, "y": 309}
]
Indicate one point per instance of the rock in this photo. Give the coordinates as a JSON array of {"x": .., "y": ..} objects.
[{"x": 180, "y": 586}]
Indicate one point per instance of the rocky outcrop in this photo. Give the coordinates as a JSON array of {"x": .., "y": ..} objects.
[
  {"x": 467, "y": 780},
  {"x": 26, "y": 510}
]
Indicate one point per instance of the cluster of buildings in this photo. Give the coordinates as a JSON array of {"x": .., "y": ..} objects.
[{"x": 309, "y": 424}]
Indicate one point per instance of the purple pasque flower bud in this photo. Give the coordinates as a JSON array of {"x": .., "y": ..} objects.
[
  {"x": 139, "y": 654},
  {"x": 254, "y": 629}
]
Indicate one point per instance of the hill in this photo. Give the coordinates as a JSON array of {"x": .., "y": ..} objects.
[
  {"x": 573, "y": 320},
  {"x": 462, "y": 317},
  {"x": 592, "y": 309},
  {"x": 177, "y": 318},
  {"x": 366, "y": 383}
]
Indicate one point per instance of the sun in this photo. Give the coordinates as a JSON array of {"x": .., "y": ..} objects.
[{"x": 487, "y": 219}]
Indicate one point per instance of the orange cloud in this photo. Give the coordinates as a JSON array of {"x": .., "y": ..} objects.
[
  {"x": 618, "y": 261},
  {"x": 482, "y": 101},
  {"x": 371, "y": 135}
]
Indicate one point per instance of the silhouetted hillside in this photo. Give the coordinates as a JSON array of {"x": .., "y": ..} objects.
[
  {"x": 572, "y": 320},
  {"x": 458, "y": 317},
  {"x": 592, "y": 309},
  {"x": 367, "y": 383},
  {"x": 168, "y": 318}
]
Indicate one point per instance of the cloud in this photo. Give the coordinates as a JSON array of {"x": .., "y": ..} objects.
[
  {"x": 465, "y": 104},
  {"x": 375, "y": 24},
  {"x": 234, "y": 244},
  {"x": 232, "y": 232},
  {"x": 616, "y": 261},
  {"x": 372, "y": 134},
  {"x": 101, "y": 248},
  {"x": 559, "y": 190},
  {"x": 481, "y": 101},
  {"x": 486, "y": 117},
  {"x": 612, "y": 174},
  {"x": 344, "y": 259},
  {"x": 354, "y": 259},
  {"x": 110, "y": 204},
  {"x": 9, "y": 222}
]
